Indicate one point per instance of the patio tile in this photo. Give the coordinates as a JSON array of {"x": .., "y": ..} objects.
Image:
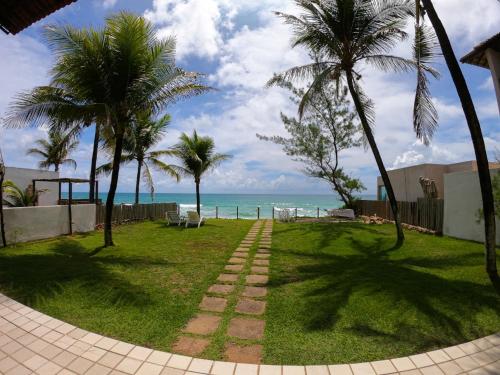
[
  {"x": 254, "y": 291},
  {"x": 243, "y": 354},
  {"x": 439, "y": 356},
  {"x": 23, "y": 355},
  {"x": 140, "y": 353},
  {"x": 35, "y": 362},
  {"x": 227, "y": 278},
  {"x": 245, "y": 328},
  {"x": 98, "y": 369},
  {"x": 129, "y": 365},
  {"x": 64, "y": 358},
  {"x": 190, "y": 345},
  {"x": 432, "y": 370},
  {"x": 6, "y": 364},
  {"x": 383, "y": 367},
  {"x": 294, "y": 370},
  {"x": 421, "y": 360},
  {"x": 179, "y": 361},
  {"x": 19, "y": 370},
  {"x": 122, "y": 348},
  {"x": 261, "y": 262},
  {"x": 467, "y": 363},
  {"x": 80, "y": 365},
  {"x": 482, "y": 358},
  {"x": 201, "y": 365},
  {"x": 91, "y": 338},
  {"x": 237, "y": 261},
  {"x": 106, "y": 343},
  {"x": 26, "y": 339},
  {"x": 159, "y": 358},
  {"x": 256, "y": 279},
  {"x": 246, "y": 369},
  {"x": 455, "y": 352},
  {"x": 469, "y": 348},
  {"x": 149, "y": 369},
  {"x": 317, "y": 370},
  {"x": 250, "y": 306},
  {"x": 362, "y": 369},
  {"x": 262, "y": 256},
  {"x": 403, "y": 363},
  {"x": 269, "y": 370},
  {"x": 221, "y": 289},
  {"x": 259, "y": 269},
  {"x": 50, "y": 351},
  {"x": 450, "y": 368},
  {"x": 234, "y": 267},
  {"x": 410, "y": 372},
  {"x": 216, "y": 304},
  {"x": 111, "y": 359},
  {"x": 203, "y": 324},
  {"x": 223, "y": 368},
  {"x": 50, "y": 368}
]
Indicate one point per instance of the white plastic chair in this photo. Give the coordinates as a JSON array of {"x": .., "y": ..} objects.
[
  {"x": 194, "y": 219},
  {"x": 173, "y": 217}
]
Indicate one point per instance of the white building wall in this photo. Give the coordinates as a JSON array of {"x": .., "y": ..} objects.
[
  {"x": 23, "y": 177},
  {"x": 462, "y": 203}
]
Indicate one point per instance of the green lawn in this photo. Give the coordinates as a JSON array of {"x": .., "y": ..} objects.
[
  {"x": 339, "y": 293},
  {"x": 143, "y": 290}
]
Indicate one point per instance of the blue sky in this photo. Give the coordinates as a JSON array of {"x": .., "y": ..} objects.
[{"x": 238, "y": 45}]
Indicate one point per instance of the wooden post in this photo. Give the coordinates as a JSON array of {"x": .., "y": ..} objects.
[
  {"x": 237, "y": 212},
  {"x": 216, "y": 212},
  {"x": 318, "y": 212},
  {"x": 33, "y": 186},
  {"x": 295, "y": 213},
  {"x": 70, "y": 199},
  {"x": 59, "y": 194},
  {"x": 273, "y": 213},
  {"x": 96, "y": 193},
  {"x": 258, "y": 213}
]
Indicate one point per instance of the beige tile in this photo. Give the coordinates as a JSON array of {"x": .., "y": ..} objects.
[
  {"x": 383, "y": 367},
  {"x": 106, "y": 343},
  {"x": 482, "y": 358},
  {"x": 79, "y": 348},
  {"x": 140, "y": 353},
  {"x": 455, "y": 352},
  {"x": 469, "y": 348},
  {"x": 362, "y": 369},
  {"x": 19, "y": 370},
  {"x": 179, "y": 361},
  {"x": 91, "y": 338},
  {"x": 129, "y": 365},
  {"x": 467, "y": 363},
  {"x": 64, "y": 358},
  {"x": 98, "y": 369},
  {"x": 421, "y": 360},
  {"x": 439, "y": 356},
  {"x": 432, "y": 370},
  {"x": 80, "y": 365},
  {"x": 111, "y": 359},
  {"x": 223, "y": 368},
  {"x": 201, "y": 365},
  {"x": 122, "y": 348},
  {"x": 149, "y": 369},
  {"x": 35, "y": 362},
  {"x": 172, "y": 371},
  {"x": 246, "y": 369},
  {"x": 159, "y": 358},
  {"x": 340, "y": 369},
  {"x": 49, "y": 368},
  {"x": 316, "y": 370},
  {"x": 450, "y": 368},
  {"x": 269, "y": 370},
  {"x": 482, "y": 343},
  {"x": 6, "y": 364},
  {"x": 94, "y": 354},
  {"x": 23, "y": 355},
  {"x": 293, "y": 370},
  {"x": 403, "y": 363}
]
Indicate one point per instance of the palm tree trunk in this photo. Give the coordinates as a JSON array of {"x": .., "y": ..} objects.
[
  {"x": 197, "y": 182},
  {"x": 2, "y": 223},
  {"x": 93, "y": 164},
  {"x": 138, "y": 181},
  {"x": 56, "y": 167},
  {"x": 477, "y": 141},
  {"x": 108, "y": 239},
  {"x": 378, "y": 158}
]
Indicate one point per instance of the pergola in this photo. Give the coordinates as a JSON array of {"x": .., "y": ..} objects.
[
  {"x": 70, "y": 182},
  {"x": 16, "y": 15}
]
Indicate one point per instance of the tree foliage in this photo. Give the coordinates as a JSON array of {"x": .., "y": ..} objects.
[{"x": 327, "y": 127}]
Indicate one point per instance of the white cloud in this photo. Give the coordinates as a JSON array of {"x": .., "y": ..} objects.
[{"x": 109, "y": 3}]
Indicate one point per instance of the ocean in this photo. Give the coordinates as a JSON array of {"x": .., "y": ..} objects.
[{"x": 227, "y": 204}]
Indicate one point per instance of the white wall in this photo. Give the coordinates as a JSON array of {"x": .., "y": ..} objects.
[
  {"x": 24, "y": 177},
  {"x": 24, "y": 224},
  {"x": 462, "y": 201}
]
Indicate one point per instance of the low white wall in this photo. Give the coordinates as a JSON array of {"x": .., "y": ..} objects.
[
  {"x": 462, "y": 202},
  {"x": 23, "y": 177},
  {"x": 24, "y": 224}
]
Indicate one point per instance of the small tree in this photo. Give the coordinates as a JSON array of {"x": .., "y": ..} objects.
[
  {"x": 326, "y": 129},
  {"x": 2, "y": 222},
  {"x": 55, "y": 150},
  {"x": 197, "y": 155}
]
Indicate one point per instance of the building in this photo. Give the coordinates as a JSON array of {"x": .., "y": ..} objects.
[
  {"x": 487, "y": 55},
  {"x": 406, "y": 181},
  {"x": 23, "y": 177}
]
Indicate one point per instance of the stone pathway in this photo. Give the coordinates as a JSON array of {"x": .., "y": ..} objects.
[{"x": 35, "y": 343}]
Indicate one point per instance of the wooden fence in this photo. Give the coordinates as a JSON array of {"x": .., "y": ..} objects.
[
  {"x": 123, "y": 213},
  {"x": 426, "y": 213}
]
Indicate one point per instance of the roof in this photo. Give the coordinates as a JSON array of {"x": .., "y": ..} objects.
[
  {"x": 477, "y": 56},
  {"x": 16, "y": 15},
  {"x": 63, "y": 180}
]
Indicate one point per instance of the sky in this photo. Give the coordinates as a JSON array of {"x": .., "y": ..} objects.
[{"x": 238, "y": 45}]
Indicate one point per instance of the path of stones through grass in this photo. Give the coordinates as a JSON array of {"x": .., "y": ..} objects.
[{"x": 230, "y": 323}]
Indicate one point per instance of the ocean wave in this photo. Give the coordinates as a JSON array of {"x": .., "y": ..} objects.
[{"x": 182, "y": 205}]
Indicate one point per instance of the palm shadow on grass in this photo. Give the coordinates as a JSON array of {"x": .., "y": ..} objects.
[
  {"x": 331, "y": 279},
  {"x": 32, "y": 278}
]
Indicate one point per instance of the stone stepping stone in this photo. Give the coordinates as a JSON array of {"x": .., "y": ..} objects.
[
  {"x": 227, "y": 278},
  {"x": 262, "y": 255},
  {"x": 256, "y": 279},
  {"x": 259, "y": 269},
  {"x": 190, "y": 345},
  {"x": 264, "y": 246},
  {"x": 215, "y": 304},
  {"x": 243, "y": 354},
  {"x": 242, "y": 250},
  {"x": 237, "y": 260},
  {"x": 254, "y": 291},
  {"x": 263, "y": 251},
  {"x": 250, "y": 306},
  {"x": 247, "y": 329},
  {"x": 261, "y": 262},
  {"x": 234, "y": 268},
  {"x": 221, "y": 289},
  {"x": 203, "y": 324},
  {"x": 239, "y": 254}
]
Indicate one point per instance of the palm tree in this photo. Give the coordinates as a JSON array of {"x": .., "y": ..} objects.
[
  {"x": 343, "y": 34},
  {"x": 197, "y": 156},
  {"x": 476, "y": 135},
  {"x": 145, "y": 134},
  {"x": 105, "y": 76},
  {"x": 55, "y": 150},
  {"x": 15, "y": 196}
]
